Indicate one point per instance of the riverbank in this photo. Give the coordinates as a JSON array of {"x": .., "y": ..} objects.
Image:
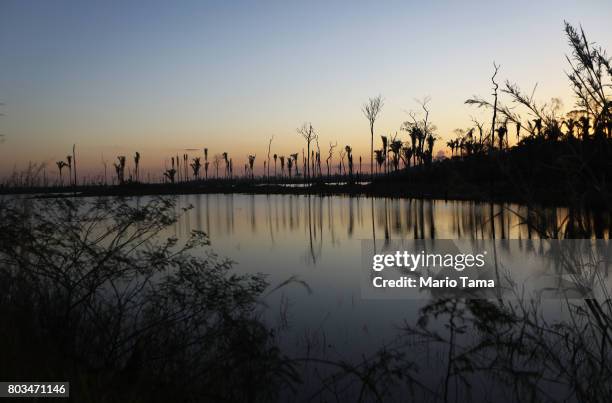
[{"x": 387, "y": 187}]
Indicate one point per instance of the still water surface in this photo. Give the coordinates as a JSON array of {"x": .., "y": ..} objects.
[{"x": 317, "y": 240}]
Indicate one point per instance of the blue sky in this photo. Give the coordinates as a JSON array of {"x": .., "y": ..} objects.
[{"x": 120, "y": 76}]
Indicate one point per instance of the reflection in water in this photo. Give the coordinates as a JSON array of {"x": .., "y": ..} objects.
[
  {"x": 317, "y": 239},
  {"x": 348, "y": 348},
  {"x": 330, "y": 219}
]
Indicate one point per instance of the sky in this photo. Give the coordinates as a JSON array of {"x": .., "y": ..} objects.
[{"x": 159, "y": 77}]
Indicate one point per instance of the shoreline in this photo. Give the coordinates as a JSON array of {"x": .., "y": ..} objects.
[{"x": 391, "y": 189}]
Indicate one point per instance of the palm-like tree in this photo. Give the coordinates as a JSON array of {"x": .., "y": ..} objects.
[
  {"x": 380, "y": 159},
  {"x": 251, "y": 163},
  {"x": 395, "y": 147},
  {"x": 421, "y": 135},
  {"x": 451, "y": 144},
  {"x": 289, "y": 165},
  {"x": 282, "y": 162},
  {"x": 406, "y": 156},
  {"x": 431, "y": 139},
  {"x": 196, "y": 165},
  {"x": 60, "y": 166},
  {"x": 170, "y": 174},
  {"x": 295, "y": 160},
  {"x": 120, "y": 169},
  {"x": 349, "y": 156},
  {"x": 469, "y": 138},
  {"x": 275, "y": 158},
  {"x": 571, "y": 125},
  {"x": 413, "y": 132}
]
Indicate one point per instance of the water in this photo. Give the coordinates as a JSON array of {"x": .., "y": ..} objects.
[
  {"x": 316, "y": 242},
  {"x": 317, "y": 239}
]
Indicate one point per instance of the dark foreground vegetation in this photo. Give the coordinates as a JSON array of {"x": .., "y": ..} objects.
[{"x": 94, "y": 292}]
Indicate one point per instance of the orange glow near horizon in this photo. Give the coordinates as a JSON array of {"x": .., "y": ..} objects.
[{"x": 228, "y": 77}]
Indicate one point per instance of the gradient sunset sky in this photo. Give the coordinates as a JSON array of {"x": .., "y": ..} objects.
[{"x": 160, "y": 77}]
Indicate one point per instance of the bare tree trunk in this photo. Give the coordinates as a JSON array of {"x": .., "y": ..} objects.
[
  {"x": 74, "y": 163},
  {"x": 372, "y": 149},
  {"x": 495, "y": 87}
]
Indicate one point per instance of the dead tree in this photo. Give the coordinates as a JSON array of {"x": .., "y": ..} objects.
[
  {"x": 371, "y": 109},
  {"x": 309, "y": 134}
]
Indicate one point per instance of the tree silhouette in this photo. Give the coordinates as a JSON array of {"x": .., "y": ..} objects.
[
  {"x": 195, "y": 167},
  {"x": 251, "y": 163},
  {"x": 349, "y": 156},
  {"x": 395, "y": 147},
  {"x": 185, "y": 167},
  {"x": 60, "y": 166},
  {"x": 330, "y": 155},
  {"x": 371, "y": 109},
  {"x": 170, "y": 174},
  {"x": 206, "y": 163},
  {"x": 216, "y": 161},
  {"x": 590, "y": 75},
  {"x": 406, "y": 156},
  {"x": 269, "y": 146},
  {"x": 295, "y": 160},
  {"x": 385, "y": 142},
  {"x": 360, "y": 165},
  {"x": 501, "y": 133},
  {"x": 431, "y": 139},
  {"x": 136, "y": 165},
  {"x": 571, "y": 125},
  {"x": 584, "y": 126},
  {"x": 309, "y": 134},
  {"x": 451, "y": 144},
  {"x": 226, "y": 160},
  {"x": 380, "y": 159},
  {"x": 74, "y": 163},
  {"x": 69, "y": 165},
  {"x": 120, "y": 169},
  {"x": 495, "y": 87}
]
